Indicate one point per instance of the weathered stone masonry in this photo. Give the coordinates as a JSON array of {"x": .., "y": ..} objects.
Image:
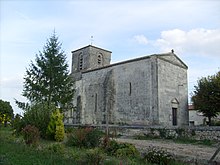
[{"x": 151, "y": 90}]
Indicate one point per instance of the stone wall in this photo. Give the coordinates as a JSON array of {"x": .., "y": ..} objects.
[
  {"x": 172, "y": 91},
  {"x": 121, "y": 93},
  {"x": 198, "y": 132},
  {"x": 141, "y": 91}
]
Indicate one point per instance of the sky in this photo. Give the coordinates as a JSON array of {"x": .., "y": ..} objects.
[{"x": 128, "y": 28}]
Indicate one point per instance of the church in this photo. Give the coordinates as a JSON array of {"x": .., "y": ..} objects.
[{"x": 147, "y": 91}]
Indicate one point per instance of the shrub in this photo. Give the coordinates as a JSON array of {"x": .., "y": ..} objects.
[
  {"x": 93, "y": 137},
  {"x": 112, "y": 147},
  {"x": 69, "y": 130},
  {"x": 55, "y": 129},
  {"x": 17, "y": 124},
  {"x": 39, "y": 116},
  {"x": 128, "y": 150},
  {"x": 163, "y": 132},
  {"x": 31, "y": 135},
  {"x": 94, "y": 156},
  {"x": 59, "y": 134},
  {"x": 121, "y": 149},
  {"x": 77, "y": 138},
  {"x": 85, "y": 137},
  {"x": 158, "y": 157},
  {"x": 56, "y": 148}
]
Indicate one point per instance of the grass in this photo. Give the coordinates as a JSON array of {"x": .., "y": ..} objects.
[
  {"x": 182, "y": 140},
  {"x": 13, "y": 151},
  {"x": 194, "y": 142}
]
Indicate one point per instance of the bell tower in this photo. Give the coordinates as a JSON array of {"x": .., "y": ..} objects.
[{"x": 88, "y": 58}]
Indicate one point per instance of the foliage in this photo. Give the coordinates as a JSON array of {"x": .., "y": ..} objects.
[
  {"x": 158, "y": 156},
  {"x": 56, "y": 148},
  {"x": 31, "y": 135},
  {"x": 39, "y": 116},
  {"x": 59, "y": 135},
  {"x": 49, "y": 152},
  {"x": 85, "y": 137},
  {"x": 55, "y": 129},
  {"x": 206, "y": 97},
  {"x": 121, "y": 149},
  {"x": 69, "y": 130},
  {"x": 17, "y": 124},
  {"x": 47, "y": 79},
  {"x": 6, "y": 112},
  {"x": 163, "y": 132},
  {"x": 94, "y": 156},
  {"x": 15, "y": 152},
  {"x": 216, "y": 123}
]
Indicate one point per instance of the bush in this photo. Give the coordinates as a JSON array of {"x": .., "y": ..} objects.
[
  {"x": 85, "y": 137},
  {"x": 94, "y": 156},
  {"x": 59, "y": 134},
  {"x": 93, "y": 137},
  {"x": 122, "y": 149},
  {"x": 39, "y": 116},
  {"x": 69, "y": 130},
  {"x": 17, "y": 124},
  {"x": 55, "y": 129},
  {"x": 160, "y": 157},
  {"x": 31, "y": 135},
  {"x": 56, "y": 148}
]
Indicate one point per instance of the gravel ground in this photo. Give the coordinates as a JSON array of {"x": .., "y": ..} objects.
[{"x": 186, "y": 152}]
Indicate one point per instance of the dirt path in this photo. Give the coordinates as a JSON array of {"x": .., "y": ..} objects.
[{"x": 186, "y": 152}]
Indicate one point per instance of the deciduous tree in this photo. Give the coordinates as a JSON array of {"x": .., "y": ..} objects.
[
  {"x": 6, "y": 112},
  {"x": 206, "y": 97}
]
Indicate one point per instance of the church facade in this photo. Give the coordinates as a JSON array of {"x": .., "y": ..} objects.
[{"x": 151, "y": 90}]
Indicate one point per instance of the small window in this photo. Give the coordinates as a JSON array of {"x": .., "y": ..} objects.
[
  {"x": 99, "y": 58},
  {"x": 96, "y": 102},
  {"x": 80, "y": 61},
  {"x": 130, "y": 89},
  {"x": 174, "y": 114},
  {"x": 104, "y": 119}
]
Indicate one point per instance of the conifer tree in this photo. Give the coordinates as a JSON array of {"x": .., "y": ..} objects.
[{"x": 47, "y": 80}]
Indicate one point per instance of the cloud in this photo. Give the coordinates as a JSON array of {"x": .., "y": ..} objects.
[
  {"x": 141, "y": 39},
  {"x": 196, "y": 41},
  {"x": 11, "y": 82}
]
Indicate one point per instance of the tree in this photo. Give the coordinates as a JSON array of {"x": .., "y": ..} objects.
[
  {"x": 47, "y": 80},
  {"x": 206, "y": 97},
  {"x": 6, "y": 112}
]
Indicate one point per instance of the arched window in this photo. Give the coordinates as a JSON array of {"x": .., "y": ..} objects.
[
  {"x": 80, "y": 61},
  {"x": 100, "y": 59}
]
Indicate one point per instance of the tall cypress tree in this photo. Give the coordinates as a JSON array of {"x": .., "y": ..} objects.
[{"x": 47, "y": 80}]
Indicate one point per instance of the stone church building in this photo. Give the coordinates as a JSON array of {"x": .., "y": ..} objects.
[{"x": 150, "y": 90}]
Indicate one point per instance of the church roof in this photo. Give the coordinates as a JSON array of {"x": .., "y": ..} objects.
[
  {"x": 168, "y": 57},
  {"x": 91, "y": 47},
  {"x": 172, "y": 58}
]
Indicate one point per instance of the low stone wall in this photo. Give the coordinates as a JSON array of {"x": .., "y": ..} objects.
[{"x": 196, "y": 132}]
